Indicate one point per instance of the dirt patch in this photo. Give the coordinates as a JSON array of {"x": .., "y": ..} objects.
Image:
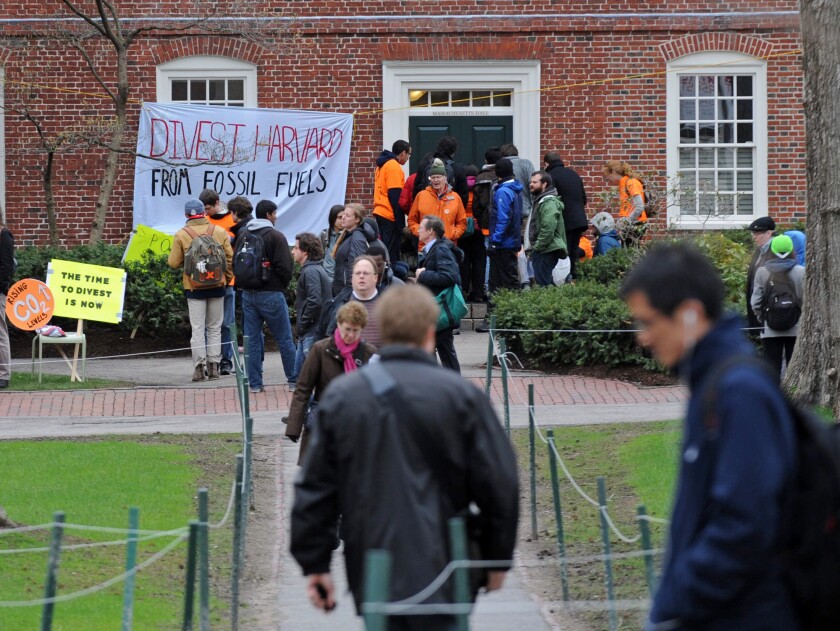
[{"x": 638, "y": 375}]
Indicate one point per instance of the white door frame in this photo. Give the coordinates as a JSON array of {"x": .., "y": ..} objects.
[{"x": 520, "y": 77}]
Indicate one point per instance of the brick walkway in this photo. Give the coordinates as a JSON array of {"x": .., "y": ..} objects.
[{"x": 548, "y": 390}]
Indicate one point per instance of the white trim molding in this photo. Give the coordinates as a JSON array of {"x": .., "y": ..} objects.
[{"x": 206, "y": 67}]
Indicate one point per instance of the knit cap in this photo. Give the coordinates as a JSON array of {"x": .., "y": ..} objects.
[
  {"x": 781, "y": 246},
  {"x": 438, "y": 168}
]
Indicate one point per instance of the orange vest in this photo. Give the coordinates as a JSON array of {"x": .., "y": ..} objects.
[{"x": 628, "y": 188}]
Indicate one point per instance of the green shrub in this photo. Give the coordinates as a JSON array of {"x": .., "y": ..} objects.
[
  {"x": 610, "y": 267},
  {"x": 154, "y": 297},
  {"x": 732, "y": 260},
  {"x": 32, "y": 260},
  {"x": 587, "y": 305}
]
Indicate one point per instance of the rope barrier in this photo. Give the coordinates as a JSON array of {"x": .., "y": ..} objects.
[
  {"x": 393, "y": 609},
  {"x": 25, "y": 362},
  {"x": 96, "y": 588},
  {"x": 98, "y": 544}
]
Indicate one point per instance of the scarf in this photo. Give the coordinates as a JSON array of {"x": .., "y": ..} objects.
[{"x": 346, "y": 351}]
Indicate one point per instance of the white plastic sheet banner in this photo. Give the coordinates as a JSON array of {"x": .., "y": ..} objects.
[{"x": 298, "y": 159}]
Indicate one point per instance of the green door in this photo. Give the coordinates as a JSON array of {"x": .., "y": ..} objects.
[{"x": 475, "y": 135}]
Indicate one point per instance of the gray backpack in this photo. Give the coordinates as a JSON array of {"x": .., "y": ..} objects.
[{"x": 205, "y": 262}]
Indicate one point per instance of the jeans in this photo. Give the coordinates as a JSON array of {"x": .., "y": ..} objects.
[
  {"x": 5, "y": 349},
  {"x": 544, "y": 263},
  {"x": 445, "y": 346},
  {"x": 391, "y": 235},
  {"x": 304, "y": 345},
  {"x": 206, "y": 323},
  {"x": 227, "y": 320},
  {"x": 268, "y": 307}
]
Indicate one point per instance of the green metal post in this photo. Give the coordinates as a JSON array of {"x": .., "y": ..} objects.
[
  {"x": 246, "y": 407},
  {"x": 605, "y": 535},
  {"x": 558, "y": 516},
  {"x": 377, "y": 587},
  {"x": 644, "y": 529},
  {"x": 130, "y": 562},
  {"x": 51, "y": 582},
  {"x": 203, "y": 560},
  {"x": 491, "y": 336},
  {"x": 503, "y": 362},
  {"x": 237, "y": 548},
  {"x": 189, "y": 586},
  {"x": 461, "y": 576},
  {"x": 533, "y": 455}
]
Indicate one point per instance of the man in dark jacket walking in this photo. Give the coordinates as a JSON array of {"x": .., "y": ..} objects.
[
  {"x": 570, "y": 189},
  {"x": 266, "y": 304},
  {"x": 440, "y": 270},
  {"x": 397, "y": 473},
  {"x": 722, "y": 568},
  {"x": 314, "y": 289}
]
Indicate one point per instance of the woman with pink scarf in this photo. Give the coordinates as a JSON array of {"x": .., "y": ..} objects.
[{"x": 344, "y": 351}]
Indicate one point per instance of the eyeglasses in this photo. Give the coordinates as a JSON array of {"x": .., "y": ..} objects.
[{"x": 363, "y": 274}]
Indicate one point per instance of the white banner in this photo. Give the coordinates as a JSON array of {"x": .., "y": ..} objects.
[{"x": 297, "y": 159}]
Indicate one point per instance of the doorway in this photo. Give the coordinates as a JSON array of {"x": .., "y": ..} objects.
[{"x": 475, "y": 134}]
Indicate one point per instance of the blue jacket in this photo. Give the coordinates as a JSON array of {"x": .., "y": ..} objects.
[
  {"x": 506, "y": 215},
  {"x": 606, "y": 242},
  {"x": 798, "y": 238},
  {"x": 720, "y": 571}
]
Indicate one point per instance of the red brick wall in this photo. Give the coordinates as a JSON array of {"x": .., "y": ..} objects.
[{"x": 336, "y": 64}]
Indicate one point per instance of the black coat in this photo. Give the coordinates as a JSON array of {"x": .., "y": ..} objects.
[
  {"x": 758, "y": 260},
  {"x": 314, "y": 290},
  {"x": 7, "y": 260},
  {"x": 354, "y": 244},
  {"x": 442, "y": 265},
  {"x": 398, "y": 475},
  {"x": 571, "y": 191}
]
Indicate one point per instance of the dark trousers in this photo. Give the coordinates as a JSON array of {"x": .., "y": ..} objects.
[
  {"x": 445, "y": 346},
  {"x": 775, "y": 348},
  {"x": 544, "y": 263},
  {"x": 504, "y": 272},
  {"x": 391, "y": 235},
  {"x": 472, "y": 269},
  {"x": 572, "y": 243}
]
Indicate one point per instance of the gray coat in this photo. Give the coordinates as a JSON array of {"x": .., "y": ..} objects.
[
  {"x": 314, "y": 290},
  {"x": 761, "y": 287},
  {"x": 522, "y": 169}
]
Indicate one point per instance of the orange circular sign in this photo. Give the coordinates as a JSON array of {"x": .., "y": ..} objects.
[{"x": 29, "y": 304}]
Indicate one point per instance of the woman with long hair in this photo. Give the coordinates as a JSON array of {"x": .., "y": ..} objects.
[
  {"x": 330, "y": 236},
  {"x": 632, "y": 218},
  {"x": 353, "y": 242}
]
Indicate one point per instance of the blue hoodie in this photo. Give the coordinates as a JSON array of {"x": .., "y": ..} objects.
[
  {"x": 721, "y": 571},
  {"x": 606, "y": 242},
  {"x": 506, "y": 215},
  {"x": 798, "y": 239}
]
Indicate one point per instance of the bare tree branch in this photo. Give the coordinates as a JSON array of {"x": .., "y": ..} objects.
[
  {"x": 98, "y": 77},
  {"x": 85, "y": 17}
]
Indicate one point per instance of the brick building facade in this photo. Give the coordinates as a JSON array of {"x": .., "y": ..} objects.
[{"x": 701, "y": 95}]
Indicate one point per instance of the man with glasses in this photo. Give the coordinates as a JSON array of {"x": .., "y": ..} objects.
[
  {"x": 388, "y": 184},
  {"x": 362, "y": 289}
]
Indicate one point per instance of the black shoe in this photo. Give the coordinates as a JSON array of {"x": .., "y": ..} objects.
[
  {"x": 4, "y": 383},
  {"x": 225, "y": 367},
  {"x": 456, "y": 331},
  {"x": 484, "y": 327}
]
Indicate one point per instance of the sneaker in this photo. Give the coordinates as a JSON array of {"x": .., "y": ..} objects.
[
  {"x": 292, "y": 387},
  {"x": 212, "y": 370},
  {"x": 225, "y": 367},
  {"x": 198, "y": 373},
  {"x": 456, "y": 331},
  {"x": 484, "y": 327},
  {"x": 257, "y": 390}
]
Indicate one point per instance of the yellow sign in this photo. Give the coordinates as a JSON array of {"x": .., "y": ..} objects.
[
  {"x": 145, "y": 239},
  {"x": 87, "y": 292}
]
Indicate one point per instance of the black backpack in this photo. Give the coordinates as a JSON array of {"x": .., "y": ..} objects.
[
  {"x": 782, "y": 308},
  {"x": 250, "y": 265},
  {"x": 422, "y": 179},
  {"x": 810, "y": 528}
]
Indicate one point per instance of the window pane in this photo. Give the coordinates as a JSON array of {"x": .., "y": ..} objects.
[
  {"x": 440, "y": 99},
  {"x": 707, "y": 180},
  {"x": 688, "y": 85},
  {"x": 745, "y": 158},
  {"x": 688, "y": 132},
  {"x": 236, "y": 104},
  {"x": 706, "y": 158},
  {"x": 726, "y": 132},
  {"x": 688, "y": 181},
  {"x": 726, "y": 180},
  {"x": 501, "y": 98},
  {"x": 461, "y": 98},
  {"x": 745, "y": 181},
  {"x": 707, "y": 204},
  {"x": 687, "y": 158},
  {"x": 707, "y": 110},
  {"x": 418, "y": 98},
  {"x": 481, "y": 98},
  {"x": 745, "y": 132},
  {"x": 725, "y": 158},
  {"x": 706, "y": 86},
  {"x": 236, "y": 90},
  {"x": 198, "y": 90},
  {"x": 217, "y": 89},
  {"x": 745, "y": 86},
  {"x": 745, "y": 204},
  {"x": 179, "y": 90},
  {"x": 726, "y": 109},
  {"x": 745, "y": 109},
  {"x": 726, "y": 204},
  {"x": 725, "y": 87},
  {"x": 688, "y": 203},
  {"x": 706, "y": 133},
  {"x": 688, "y": 110}
]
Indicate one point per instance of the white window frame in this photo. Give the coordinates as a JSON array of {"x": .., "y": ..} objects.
[
  {"x": 207, "y": 67},
  {"x": 716, "y": 63},
  {"x": 521, "y": 78}
]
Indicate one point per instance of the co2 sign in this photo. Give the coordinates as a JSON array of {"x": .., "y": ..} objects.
[{"x": 29, "y": 304}]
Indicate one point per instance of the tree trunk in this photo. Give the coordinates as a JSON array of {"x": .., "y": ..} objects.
[
  {"x": 813, "y": 373},
  {"x": 49, "y": 196}
]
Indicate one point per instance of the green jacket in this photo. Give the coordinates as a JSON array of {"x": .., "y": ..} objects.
[{"x": 546, "y": 229}]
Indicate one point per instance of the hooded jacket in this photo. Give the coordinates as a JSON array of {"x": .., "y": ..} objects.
[
  {"x": 546, "y": 230},
  {"x": 354, "y": 244},
  {"x": 761, "y": 288},
  {"x": 522, "y": 169},
  {"x": 483, "y": 196},
  {"x": 313, "y": 290},
  {"x": 389, "y": 179},
  {"x": 759, "y": 258},
  {"x": 276, "y": 251},
  {"x": 397, "y": 475},
  {"x": 506, "y": 216},
  {"x": 570, "y": 189},
  {"x": 721, "y": 572},
  {"x": 181, "y": 243},
  {"x": 447, "y": 206},
  {"x": 606, "y": 242}
]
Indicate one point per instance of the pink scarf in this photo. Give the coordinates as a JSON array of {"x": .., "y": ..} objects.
[{"x": 346, "y": 351}]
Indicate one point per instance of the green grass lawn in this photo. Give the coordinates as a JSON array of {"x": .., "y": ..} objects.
[
  {"x": 28, "y": 381},
  {"x": 639, "y": 463},
  {"x": 95, "y": 482}
]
